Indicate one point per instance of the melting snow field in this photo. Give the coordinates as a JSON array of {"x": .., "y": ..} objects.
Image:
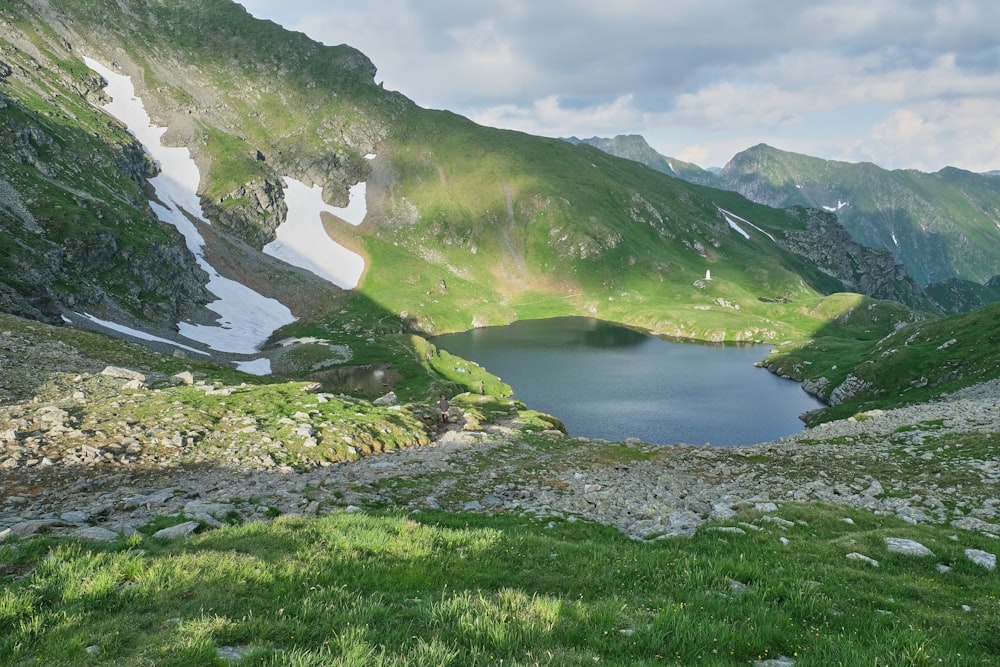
[
  {"x": 732, "y": 219},
  {"x": 302, "y": 241},
  {"x": 121, "y": 328},
  {"x": 246, "y": 318}
]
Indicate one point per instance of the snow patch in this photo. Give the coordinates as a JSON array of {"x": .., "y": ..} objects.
[
  {"x": 732, "y": 219},
  {"x": 732, "y": 223},
  {"x": 246, "y": 318},
  {"x": 302, "y": 241},
  {"x": 121, "y": 328},
  {"x": 834, "y": 209},
  {"x": 255, "y": 366}
]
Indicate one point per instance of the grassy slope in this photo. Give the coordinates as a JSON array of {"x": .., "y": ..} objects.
[
  {"x": 556, "y": 229},
  {"x": 430, "y": 588},
  {"x": 903, "y": 363},
  {"x": 517, "y": 226},
  {"x": 437, "y": 589},
  {"x": 944, "y": 223}
]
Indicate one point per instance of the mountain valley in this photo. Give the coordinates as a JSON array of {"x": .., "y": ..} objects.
[{"x": 221, "y": 260}]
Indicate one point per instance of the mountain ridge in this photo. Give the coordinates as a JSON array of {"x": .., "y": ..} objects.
[
  {"x": 464, "y": 225},
  {"x": 941, "y": 226}
]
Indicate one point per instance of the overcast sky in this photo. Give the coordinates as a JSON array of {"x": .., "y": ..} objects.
[{"x": 904, "y": 84}]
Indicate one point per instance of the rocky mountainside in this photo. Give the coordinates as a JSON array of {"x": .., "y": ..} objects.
[
  {"x": 942, "y": 227},
  {"x": 461, "y": 225},
  {"x": 75, "y": 227},
  {"x": 76, "y": 205}
]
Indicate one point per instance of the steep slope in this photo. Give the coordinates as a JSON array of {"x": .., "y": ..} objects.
[
  {"x": 463, "y": 225},
  {"x": 873, "y": 356},
  {"x": 75, "y": 228},
  {"x": 940, "y": 226}
]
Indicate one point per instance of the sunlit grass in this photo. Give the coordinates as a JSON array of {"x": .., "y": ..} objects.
[{"x": 453, "y": 589}]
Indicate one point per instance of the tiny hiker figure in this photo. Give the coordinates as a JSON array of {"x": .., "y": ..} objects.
[{"x": 443, "y": 406}]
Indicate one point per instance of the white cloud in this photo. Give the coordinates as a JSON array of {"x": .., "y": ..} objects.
[
  {"x": 937, "y": 134},
  {"x": 710, "y": 73}
]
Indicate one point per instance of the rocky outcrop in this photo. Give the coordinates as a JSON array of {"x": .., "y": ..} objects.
[
  {"x": 251, "y": 212},
  {"x": 75, "y": 222},
  {"x": 825, "y": 243}
]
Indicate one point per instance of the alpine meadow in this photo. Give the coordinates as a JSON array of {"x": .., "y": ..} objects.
[{"x": 223, "y": 251}]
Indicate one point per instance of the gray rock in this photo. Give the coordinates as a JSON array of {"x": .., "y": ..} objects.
[
  {"x": 95, "y": 533},
  {"x": 180, "y": 530},
  {"x": 492, "y": 501},
  {"x": 185, "y": 377},
  {"x": 215, "y": 510},
  {"x": 907, "y": 547},
  {"x": 232, "y": 653},
  {"x": 74, "y": 517},
  {"x": 123, "y": 373},
  {"x": 982, "y": 558},
  {"x": 780, "y": 661},
  {"x": 33, "y": 526},
  {"x": 155, "y": 498},
  {"x": 854, "y": 555},
  {"x": 722, "y": 512},
  {"x": 387, "y": 399}
]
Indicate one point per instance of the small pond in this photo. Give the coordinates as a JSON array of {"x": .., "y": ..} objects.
[{"x": 608, "y": 381}]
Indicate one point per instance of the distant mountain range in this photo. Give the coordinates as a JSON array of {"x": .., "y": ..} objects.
[{"x": 944, "y": 227}]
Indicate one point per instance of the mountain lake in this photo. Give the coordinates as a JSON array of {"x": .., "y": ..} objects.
[{"x": 608, "y": 381}]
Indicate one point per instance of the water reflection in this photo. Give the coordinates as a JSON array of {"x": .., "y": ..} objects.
[
  {"x": 370, "y": 380},
  {"x": 558, "y": 332}
]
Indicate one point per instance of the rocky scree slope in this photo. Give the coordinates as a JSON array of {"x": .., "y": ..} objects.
[{"x": 101, "y": 454}]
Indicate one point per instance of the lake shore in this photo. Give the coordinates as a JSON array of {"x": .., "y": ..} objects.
[{"x": 926, "y": 463}]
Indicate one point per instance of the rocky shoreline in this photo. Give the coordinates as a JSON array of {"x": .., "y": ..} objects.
[{"x": 890, "y": 462}]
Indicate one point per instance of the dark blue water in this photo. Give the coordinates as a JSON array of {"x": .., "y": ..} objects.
[{"x": 607, "y": 381}]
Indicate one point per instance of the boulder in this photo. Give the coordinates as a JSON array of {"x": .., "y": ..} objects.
[
  {"x": 95, "y": 533},
  {"x": 180, "y": 530}
]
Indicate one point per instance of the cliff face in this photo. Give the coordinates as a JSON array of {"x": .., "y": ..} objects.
[
  {"x": 871, "y": 272},
  {"x": 76, "y": 228},
  {"x": 940, "y": 226}
]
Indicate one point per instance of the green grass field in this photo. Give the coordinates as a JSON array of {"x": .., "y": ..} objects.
[{"x": 429, "y": 588}]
